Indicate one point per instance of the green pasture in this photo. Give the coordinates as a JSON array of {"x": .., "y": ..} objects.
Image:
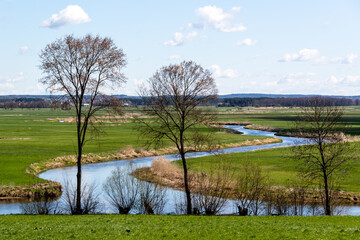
[
  {"x": 275, "y": 163},
  {"x": 177, "y": 227},
  {"x": 28, "y": 136},
  {"x": 281, "y": 117}
]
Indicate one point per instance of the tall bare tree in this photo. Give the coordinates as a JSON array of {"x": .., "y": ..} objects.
[
  {"x": 324, "y": 157},
  {"x": 81, "y": 68},
  {"x": 173, "y": 97}
]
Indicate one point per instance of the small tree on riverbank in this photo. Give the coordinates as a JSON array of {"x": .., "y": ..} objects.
[
  {"x": 324, "y": 158},
  {"x": 81, "y": 68},
  {"x": 173, "y": 98}
]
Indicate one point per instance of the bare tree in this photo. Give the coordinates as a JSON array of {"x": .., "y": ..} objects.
[
  {"x": 173, "y": 97},
  {"x": 82, "y": 68},
  {"x": 122, "y": 190},
  {"x": 325, "y": 156}
]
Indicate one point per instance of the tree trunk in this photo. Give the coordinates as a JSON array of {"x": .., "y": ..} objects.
[
  {"x": 78, "y": 209},
  {"x": 327, "y": 197},
  {"x": 186, "y": 184}
]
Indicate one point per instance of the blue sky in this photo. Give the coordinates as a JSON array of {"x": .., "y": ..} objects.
[{"x": 251, "y": 46}]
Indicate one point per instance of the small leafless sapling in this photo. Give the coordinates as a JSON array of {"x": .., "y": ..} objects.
[{"x": 122, "y": 190}]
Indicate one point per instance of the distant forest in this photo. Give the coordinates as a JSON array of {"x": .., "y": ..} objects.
[{"x": 11, "y": 102}]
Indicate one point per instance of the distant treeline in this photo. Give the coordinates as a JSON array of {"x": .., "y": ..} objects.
[
  {"x": 283, "y": 102},
  {"x": 43, "y": 102}
]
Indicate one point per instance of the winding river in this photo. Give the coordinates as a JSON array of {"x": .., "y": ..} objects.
[{"x": 97, "y": 173}]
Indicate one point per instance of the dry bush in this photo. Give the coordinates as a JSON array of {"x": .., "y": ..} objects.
[
  {"x": 297, "y": 194},
  {"x": 89, "y": 199},
  {"x": 277, "y": 202},
  {"x": 122, "y": 190},
  {"x": 152, "y": 198},
  {"x": 164, "y": 168},
  {"x": 212, "y": 189},
  {"x": 40, "y": 206},
  {"x": 249, "y": 188}
]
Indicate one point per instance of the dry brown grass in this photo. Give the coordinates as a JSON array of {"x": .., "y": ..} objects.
[
  {"x": 50, "y": 189},
  {"x": 125, "y": 118}
]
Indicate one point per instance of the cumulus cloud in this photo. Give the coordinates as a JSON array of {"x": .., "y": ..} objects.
[
  {"x": 303, "y": 55},
  {"x": 219, "y": 19},
  {"x": 247, "y": 42},
  {"x": 72, "y": 14},
  {"x": 173, "y": 57},
  {"x": 222, "y": 73},
  {"x": 180, "y": 38},
  {"x": 23, "y": 49}
]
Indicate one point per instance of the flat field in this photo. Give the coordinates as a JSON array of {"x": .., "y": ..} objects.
[
  {"x": 282, "y": 117},
  {"x": 274, "y": 163},
  {"x": 177, "y": 227},
  {"x": 36, "y": 135}
]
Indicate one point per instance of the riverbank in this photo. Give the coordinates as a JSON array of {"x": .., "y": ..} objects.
[
  {"x": 29, "y": 191},
  {"x": 169, "y": 175}
]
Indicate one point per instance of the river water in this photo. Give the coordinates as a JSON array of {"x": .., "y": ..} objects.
[{"x": 98, "y": 172}]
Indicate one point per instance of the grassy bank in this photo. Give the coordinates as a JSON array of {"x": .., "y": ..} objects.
[
  {"x": 276, "y": 165},
  {"x": 177, "y": 227}
]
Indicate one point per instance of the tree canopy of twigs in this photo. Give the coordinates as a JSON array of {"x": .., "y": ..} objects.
[
  {"x": 82, "y": 68},
  {"x": 324, "y": 158},
  {"x": 174, "y": 97}
]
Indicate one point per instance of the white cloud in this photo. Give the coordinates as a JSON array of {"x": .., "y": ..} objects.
[
  {"x": 72, "y": 14},
  {"x": 220, "y": 73},
  {"x": 303, "y": 55},
  {"x": 247, "y": 42},
  {"x": 296, "y": 78},
  {"x": 180, "y": 38},
  {"x": 218, "y": 19},
  {"x": 173, "y": 57},
  {"x": 350, "y": 80},
  {"x": 24, "y": 49},
  {"x": 348, "y": 59},
  {"x": 8, "y": 79},
  {"x": 5, "y": 87}
]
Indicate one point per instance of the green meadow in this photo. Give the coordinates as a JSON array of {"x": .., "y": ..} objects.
[
  {"x": 28, "y": 136},
  {"x": 177, "y": 227},
  {"x": 275, "y": 164}
]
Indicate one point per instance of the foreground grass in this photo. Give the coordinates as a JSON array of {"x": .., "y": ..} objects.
[{"x": 177, "y": 227}]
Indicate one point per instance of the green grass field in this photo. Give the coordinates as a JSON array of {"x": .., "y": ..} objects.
[
  {"x": 276, "y": 165},
  {"x": 28, "y": 136},
  {"x": 282, "y": 117},
  {"x": 177, "y": 227}
]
